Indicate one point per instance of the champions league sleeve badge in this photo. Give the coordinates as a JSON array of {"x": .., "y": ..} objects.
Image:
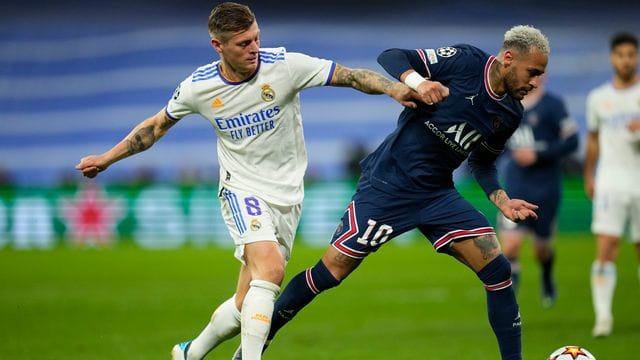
[{"x": 446, "y": 52}]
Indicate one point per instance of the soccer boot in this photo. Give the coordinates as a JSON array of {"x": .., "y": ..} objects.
[
  {"x": 179, "y": 351},
  {"x": 602, "y": 328}
]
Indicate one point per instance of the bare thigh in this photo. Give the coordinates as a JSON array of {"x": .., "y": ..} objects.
[{"x": 476, "y": 252}]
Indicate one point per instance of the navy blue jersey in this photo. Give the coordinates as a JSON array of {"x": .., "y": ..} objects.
[
  {"x": 547, "y": 128},
  {"x": 430, "y": 142}
]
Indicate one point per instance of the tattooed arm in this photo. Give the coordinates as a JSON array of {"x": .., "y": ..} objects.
[
  {"x": 139, "y": 139},
  {"x": 514, "y": 209},
  {"x": 370, "y": 82}
]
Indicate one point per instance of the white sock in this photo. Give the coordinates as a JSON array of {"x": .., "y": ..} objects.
[
  {"x": 603, "y": 284},
  {"x": 256, "y": 317},
  {"x": 224, "y": 324}
]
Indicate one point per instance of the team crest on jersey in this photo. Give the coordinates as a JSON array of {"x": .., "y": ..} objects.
[
  {"x": 446, "y": 52},
  {"x": 497, "y": 121},
  {"x": 255, "y": 225},
  {"x": 267, "y": 93},
  {"x": 339, "y": 229},
  {"x": 176, "y": 93}
]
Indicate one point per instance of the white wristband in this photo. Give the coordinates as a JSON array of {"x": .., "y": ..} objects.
[{"x": 414, "y": 80}]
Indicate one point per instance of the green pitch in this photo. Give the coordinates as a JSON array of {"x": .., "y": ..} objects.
[{"x": 405, "y": 302}]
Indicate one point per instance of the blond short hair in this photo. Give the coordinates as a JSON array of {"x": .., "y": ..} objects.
[{"x": 525, "y": 38}]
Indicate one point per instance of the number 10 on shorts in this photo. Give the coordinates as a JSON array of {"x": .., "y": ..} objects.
[{"x": 379, "y": 238}]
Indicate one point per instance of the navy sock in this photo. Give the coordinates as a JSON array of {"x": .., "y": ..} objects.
[
  {"x": 515, "y": 273},
  {"x": 299, "y": 292},
  {"x": 547, "y": 278},
  {"x": 504, "y": 314}
]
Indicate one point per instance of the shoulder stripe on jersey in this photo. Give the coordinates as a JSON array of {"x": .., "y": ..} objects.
[
  {"x": 270, "y": 58},
  {"x": 423, "y": 57},
  {"x": 205, "y": 73},
  {"x": 271, "y": 54}
]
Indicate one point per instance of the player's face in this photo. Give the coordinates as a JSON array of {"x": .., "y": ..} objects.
[
  {"x": 524, "y": 72},
  {"x": 624, "y": 59},
  {"x": 240, "y": 50}
]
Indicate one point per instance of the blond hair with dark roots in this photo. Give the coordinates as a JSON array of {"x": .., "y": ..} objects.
[{"x": 524, "y": 39}]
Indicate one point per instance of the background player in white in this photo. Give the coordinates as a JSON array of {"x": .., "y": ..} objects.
[
  {"x": 251, "y": 98},
  {"x": 613, "y": 118}
]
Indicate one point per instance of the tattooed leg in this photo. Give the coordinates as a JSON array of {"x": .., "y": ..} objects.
[{"x": 483, "y": 255}]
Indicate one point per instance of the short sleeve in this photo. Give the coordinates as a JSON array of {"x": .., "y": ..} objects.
[
  {"x": 180, "y": 104},
  {"x": 307, "y": 71}
]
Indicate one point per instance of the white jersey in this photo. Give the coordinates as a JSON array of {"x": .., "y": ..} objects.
[
  {"x": 260, "y": 139},
  {"x": 609, "y": 110}
]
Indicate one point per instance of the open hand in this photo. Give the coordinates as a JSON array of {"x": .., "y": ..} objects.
[{"x": 518, "y": 210}]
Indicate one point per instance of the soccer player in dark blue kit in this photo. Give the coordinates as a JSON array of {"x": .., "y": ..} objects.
[
  {"x": 546, "y": 135},
  {"x": 471, "y": 107}
]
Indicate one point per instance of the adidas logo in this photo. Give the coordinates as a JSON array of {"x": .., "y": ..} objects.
[{"x": 217, "y": 103}]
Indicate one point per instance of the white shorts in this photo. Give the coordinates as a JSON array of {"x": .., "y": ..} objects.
[
  {"x": 611, "y": 210},
  {"x": 250, "y": 219}
]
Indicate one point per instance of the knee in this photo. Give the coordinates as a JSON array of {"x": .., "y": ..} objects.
[
  {"x": 273, "y": 273},
  {"x": 338, "y": 264}
]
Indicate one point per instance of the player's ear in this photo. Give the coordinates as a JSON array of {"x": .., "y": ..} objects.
[
  {"x": 508, "y": 57},
  {"x": 216, "y": 45}
]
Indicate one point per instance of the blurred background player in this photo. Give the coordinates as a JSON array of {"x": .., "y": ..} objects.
[
  {"x": 613, "y": 142},
  {"x": 533, "y": 172},
  {"x": 471, "y": 106},
  {"x": 251, "y": 98}
]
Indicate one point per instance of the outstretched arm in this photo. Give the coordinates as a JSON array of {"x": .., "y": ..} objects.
[
  {"x": 400, "y": 64},
  {"x": 513, "y": 209},
  {"x": 370, "y": 82},
  {"x": 482, "y": 165},
  {"x": 139, "y": 139}
]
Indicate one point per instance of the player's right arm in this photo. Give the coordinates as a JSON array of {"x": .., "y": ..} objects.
[
  {"x": 592, "y": 147},
  {"x": 590, "y": 160},
  {"x": 142, "y": 137},
  {"x": 408, "y": 67}
]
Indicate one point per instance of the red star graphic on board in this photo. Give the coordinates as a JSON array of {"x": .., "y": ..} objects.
[
  {"x": 91, "y": 217},
  {"x": 574, "y": 351}
]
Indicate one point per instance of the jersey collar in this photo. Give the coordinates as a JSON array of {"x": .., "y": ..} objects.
[
  {"x": 487, "y": 82},
  {"x": 229, "y": 82}
]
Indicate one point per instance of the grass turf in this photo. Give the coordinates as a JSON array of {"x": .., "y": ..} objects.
[{"x": 405, "y": 302}]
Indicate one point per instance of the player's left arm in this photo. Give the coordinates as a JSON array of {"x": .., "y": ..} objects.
[
  {"x": 567, "y": 141},
  {"x": 482, "y": 165},
  {"x": 370, "y": 82}
]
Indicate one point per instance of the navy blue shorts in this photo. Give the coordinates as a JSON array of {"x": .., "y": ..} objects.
[{"x": 374, "y": 217}]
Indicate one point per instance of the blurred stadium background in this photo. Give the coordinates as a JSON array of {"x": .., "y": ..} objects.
[{"x": 75, "y": 77}]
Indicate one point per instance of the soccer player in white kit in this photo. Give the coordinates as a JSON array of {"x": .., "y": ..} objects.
[
  {"x": 251, "y": 97},
  {"x": 613, "y": 119}
]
